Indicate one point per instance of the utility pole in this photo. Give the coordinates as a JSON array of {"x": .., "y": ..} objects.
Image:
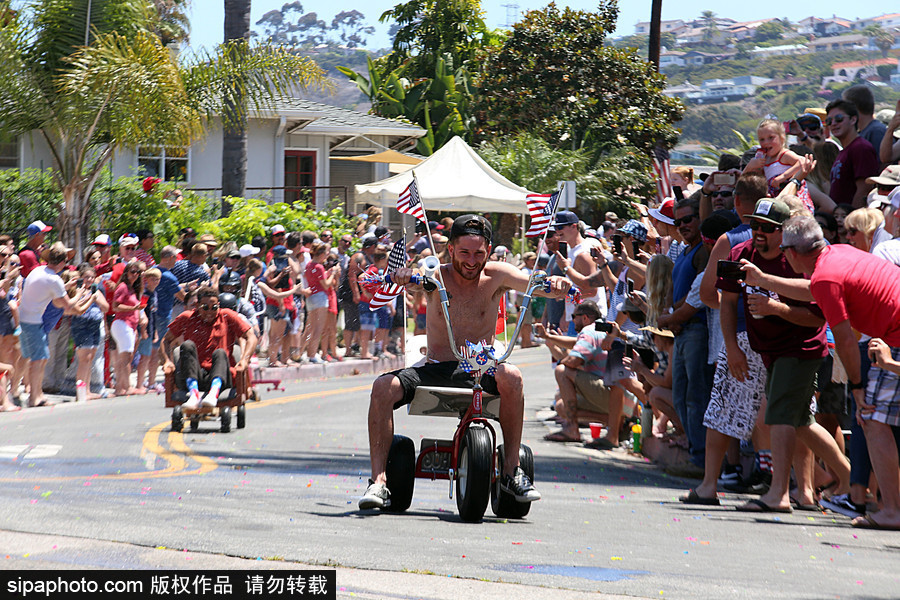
[{"x": 655, "y": 25}]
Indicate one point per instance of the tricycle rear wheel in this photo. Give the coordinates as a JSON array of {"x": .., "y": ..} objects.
[{"x": 504, "y": 504}]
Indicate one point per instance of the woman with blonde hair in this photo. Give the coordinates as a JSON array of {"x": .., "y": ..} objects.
[
  {"x": 818, "y": 182},
  {"x": 659, "y": 287},
  {"x": 865, "y": 228}
]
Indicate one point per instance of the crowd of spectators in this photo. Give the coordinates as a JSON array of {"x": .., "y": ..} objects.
[{"x": 755, "y": 312}]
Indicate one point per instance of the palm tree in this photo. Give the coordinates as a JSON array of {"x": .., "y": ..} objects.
[
  {"x": 234, "y": 135},
  {"x": 882, "y": 38},
  {"x": 122, "y": 89},
  {"x": 710, "y": 26}
]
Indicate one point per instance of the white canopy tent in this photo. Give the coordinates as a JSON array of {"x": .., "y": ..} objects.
[{"x": 454, "y": 178}]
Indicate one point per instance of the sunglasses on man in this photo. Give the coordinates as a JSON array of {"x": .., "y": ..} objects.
[
  {"x": 685, "y": 220},
  {"x": 764, "y": 226}
]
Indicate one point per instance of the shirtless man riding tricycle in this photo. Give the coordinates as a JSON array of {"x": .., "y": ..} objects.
[{"x": 475, "y": 288}]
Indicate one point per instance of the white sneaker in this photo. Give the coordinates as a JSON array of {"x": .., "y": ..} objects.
[
  {"x": 211, "y": 399},
  {"x": 193, "y": 400},
  {"x": 376, "y": 496}
]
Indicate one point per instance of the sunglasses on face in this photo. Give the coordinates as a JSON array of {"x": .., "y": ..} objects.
[
  {"x": 764, "y": 226},
  {"x": 722, "y": 194},
  {"x": 835, "y": 119},
  {"x": 685, "y": 220},
  {"x": 809, "y": 122},
  {"x": 209, "y": 307},
  {"x": 887, "y": 189}
]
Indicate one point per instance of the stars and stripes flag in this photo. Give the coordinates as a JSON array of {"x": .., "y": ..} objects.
[
  {"x": 661, "y": 173},
  {"x": 388, "y": 291},
  {"x": 540, "y": 207},
  {"x": 409, "y": 202}
]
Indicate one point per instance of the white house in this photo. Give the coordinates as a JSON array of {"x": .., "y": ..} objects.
[
  {"x": 724, "y": 90},
  {"x": 288, "y": 149},
  {"x": 784, "y": 50},
  {"x": 857, "y": 70},
  {"x": 671, "y": 59},
  {"x": 643, "y": 27}
]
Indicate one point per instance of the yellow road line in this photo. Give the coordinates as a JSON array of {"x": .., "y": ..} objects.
[{"x": 177, "y": 465}]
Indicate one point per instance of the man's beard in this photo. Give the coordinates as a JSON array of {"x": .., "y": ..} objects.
[
  {"x": 761, "y": 244},
  {"x": 466, "y": 274}
]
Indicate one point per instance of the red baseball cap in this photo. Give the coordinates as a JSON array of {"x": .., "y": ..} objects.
[{"x": 665, "y": 213}]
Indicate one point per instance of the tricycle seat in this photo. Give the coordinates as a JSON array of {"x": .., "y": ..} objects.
[{"x": 450, "y": 402}]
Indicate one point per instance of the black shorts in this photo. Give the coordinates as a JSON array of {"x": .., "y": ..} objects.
[{"x": 442, "y": 374}]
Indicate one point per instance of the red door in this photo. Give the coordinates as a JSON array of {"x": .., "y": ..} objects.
[{"x": 299, "y": 175}]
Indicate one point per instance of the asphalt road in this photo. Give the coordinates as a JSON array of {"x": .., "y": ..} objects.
[{"x": 106, "y": 485}]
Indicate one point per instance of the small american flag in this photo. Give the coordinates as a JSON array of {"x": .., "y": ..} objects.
[
  {"x": 540, "y": 207},
  {"x": 409, "y": 202},
  {"x": 389, "y": 291},
  {"x": 661, "y": 173}
]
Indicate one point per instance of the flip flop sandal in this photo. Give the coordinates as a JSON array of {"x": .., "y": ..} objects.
[
  {"x": 560, "y": 436},
  {"x": 693, "y": 497}
]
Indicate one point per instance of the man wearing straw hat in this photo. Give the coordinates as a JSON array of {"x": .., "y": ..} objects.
[{"x": 475, "y": 288}]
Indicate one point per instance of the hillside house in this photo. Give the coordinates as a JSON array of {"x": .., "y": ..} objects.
[
  {"x": 785, "y": 50},
  {"x": 857, "y": 70},
  {"x": 854, "y": 41},
  {"x": 670, "y": 59}
]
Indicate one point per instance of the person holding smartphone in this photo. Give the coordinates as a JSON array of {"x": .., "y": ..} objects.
[
  {"x": 126, "y": 306},
  {"x": 579, "y": 258},
  {"x": 88, "y": 326}
]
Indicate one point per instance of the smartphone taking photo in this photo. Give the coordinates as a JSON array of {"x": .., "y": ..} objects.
[
  {"x": 564, "y": 249},
  {"x": 729, "y": 269}
]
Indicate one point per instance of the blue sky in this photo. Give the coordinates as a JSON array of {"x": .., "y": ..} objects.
[{"x": 207, "y": 15}]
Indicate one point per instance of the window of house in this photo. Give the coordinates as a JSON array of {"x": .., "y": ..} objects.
[
  {"x": 9, "y": 152},
  {"x": 169, "y": 163}
]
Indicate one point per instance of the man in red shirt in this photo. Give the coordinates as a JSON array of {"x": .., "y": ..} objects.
[
  {"x": 856, "y": 162},
  {"x": 209, "y": 335},
  {"x": 857, "y": 290}
]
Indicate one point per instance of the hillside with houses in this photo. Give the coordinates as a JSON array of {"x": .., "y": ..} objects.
[{"x": 730, "y": 72}]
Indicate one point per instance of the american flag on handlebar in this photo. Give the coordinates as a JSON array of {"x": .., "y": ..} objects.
[{"x": 374, "y": 282}]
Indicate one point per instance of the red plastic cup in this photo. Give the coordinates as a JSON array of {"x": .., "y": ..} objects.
[
  {"x": 144, "y": 300},
  {"x": 595, "y": 430}
]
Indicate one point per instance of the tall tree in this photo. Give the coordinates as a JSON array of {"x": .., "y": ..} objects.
[
  {"x": 123, "y": 89},
  {"x": 555, "y": 76},
  {"x": 234, "y": 132},
  {"x": 881, "y": 38},
  {"x": 710, "y": 25}
]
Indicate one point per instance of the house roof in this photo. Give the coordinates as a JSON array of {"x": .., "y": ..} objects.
[
  {"x": 883, "y": 17},
  {"x": 865, "y": 63},
  {"x": 856, "y": 37},
  {"x": 315, "y": 117}
]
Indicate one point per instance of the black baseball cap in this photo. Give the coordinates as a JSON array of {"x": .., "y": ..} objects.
[{"x": 471, "y": 225}]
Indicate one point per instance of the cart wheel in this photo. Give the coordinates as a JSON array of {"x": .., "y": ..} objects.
[
  {"x": 241, "y": 416},
  {"x": 473, "y": 483},
  {"x": 253, "y": 395},
  {"x": 195, "y": 422},
  {"x": 177, "y": 419},
  {"x": 503, "y": 503},
  {"x": 401, "y": 473},
  {"x": 225, "y": 415}
]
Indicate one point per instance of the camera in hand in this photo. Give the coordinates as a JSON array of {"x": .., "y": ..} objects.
[
  {"x": 595, "y": 252},
  {"x": 729, "y": 269},
  {"x": 723, "y": 178},
  {"x": 564, "y": 249},
  {"x": 636, "y": 247},
  {"x": 679, "y": 195},
  {"x": 617, "y": 243},
  {"x": 602, "y": 326},
  {"x": 630, "y": 284}
]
